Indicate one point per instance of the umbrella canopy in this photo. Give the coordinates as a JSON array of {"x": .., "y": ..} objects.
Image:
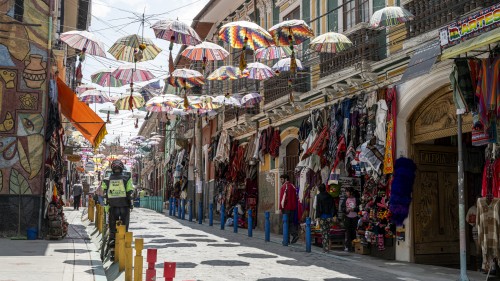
[
  {"x": 84, "y": 41},
  {"x": 129, "y": 102},
  {"x": 132, "y": 73},
  {"x": 223, "y": 100},
  {"x": 284, "y": 65},
  {"x": 94, "y": 96},
  {"x": 104, "y": 78},
  {"x": 127, "y": 49},
  {"x": 205, "y": 51},
  {"x": 82, "y": 88},
  {"x": 185, "y": 78},
  {"x": 330, "y": 42},
  {"x": 241, "y": 34},
  {"x": 249, "y": 100},
  {"x": 259, "y": 71},
  {"x": 273, "y": 52},
  {"x": 390, "y": 16},
  {"x": 163, "y": 103},
  {"x": 176, "y": 31},
  {"x": 226, "y": 72},
  {"x": 291, "y": 32}
]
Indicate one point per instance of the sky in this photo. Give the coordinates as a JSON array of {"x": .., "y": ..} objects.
[{"x": 112, "y": 19}]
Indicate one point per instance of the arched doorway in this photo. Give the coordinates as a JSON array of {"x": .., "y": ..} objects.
[{"x": 292, "y": 159}]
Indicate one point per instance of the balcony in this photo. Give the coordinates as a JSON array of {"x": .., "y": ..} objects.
[
  {"x": 277, "y": 86},
  {"x": 244, "y": 85},
  {"x": 234, "y": 113},
  {"x": 431, "y": 14},
  {"x": 365, "y": 47}
]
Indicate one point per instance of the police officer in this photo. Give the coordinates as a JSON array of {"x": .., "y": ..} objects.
[{"x": 117, "y": 191}]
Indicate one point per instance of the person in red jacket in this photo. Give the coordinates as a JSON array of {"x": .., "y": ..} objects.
[{"x": 288, "y": 206}]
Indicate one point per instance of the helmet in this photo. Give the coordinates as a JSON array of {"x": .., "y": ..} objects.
[{"x": 117, "y": 164}]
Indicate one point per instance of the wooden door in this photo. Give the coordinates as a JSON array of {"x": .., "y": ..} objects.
[
  {"x": 435, "y": 206},
  {"x": 292, "y": 159}
]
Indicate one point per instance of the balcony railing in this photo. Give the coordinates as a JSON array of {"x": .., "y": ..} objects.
[
  {"x": 233, "y": 112},
  {"x": 365, "y": 48},
  {"x": 431, "y": 14},
  {"x": 244, "y": 85},
  {"x": 277, "y": 86}
]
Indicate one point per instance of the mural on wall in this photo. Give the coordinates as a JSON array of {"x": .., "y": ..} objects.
[{"x": 23, "y": 87}]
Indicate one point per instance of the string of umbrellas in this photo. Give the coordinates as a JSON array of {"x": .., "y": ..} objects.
[{"x": 278, "y": 43}]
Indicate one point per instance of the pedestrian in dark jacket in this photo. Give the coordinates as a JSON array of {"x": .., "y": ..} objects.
[
  {"x": 325, "y": 212},
  {"x": 350, "y": 208}
]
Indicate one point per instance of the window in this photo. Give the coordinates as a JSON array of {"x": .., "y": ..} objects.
[
  {"x": 355, "y": 11},
  {"x": 364, "y": 10},
  {"x": 293, "y": 15}
]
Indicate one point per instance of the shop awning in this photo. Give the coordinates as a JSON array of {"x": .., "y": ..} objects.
[
  {"x": 92, "y": 127},
  {"x": 482, "y": 40},
  {"x": 422, "y": 61}
]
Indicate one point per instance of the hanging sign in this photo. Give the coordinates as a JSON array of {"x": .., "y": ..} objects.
[{"x": 470, "y": 26}]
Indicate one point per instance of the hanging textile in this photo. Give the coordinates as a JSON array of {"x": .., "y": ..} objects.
[
  {"x": 223, "y": 147},
  {"x": 274, "y": 147},
  {"x": 487, "y": 89},
  {"x": 332, "y": 144},
  {"x": 381, "y": 117},
  {"x": 390, "y": 142}
]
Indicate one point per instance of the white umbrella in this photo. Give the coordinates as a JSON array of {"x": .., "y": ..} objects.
[{"x": 223, "y": 100}]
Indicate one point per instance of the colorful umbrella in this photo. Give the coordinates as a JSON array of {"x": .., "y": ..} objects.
[
  {"x": 104, "y": 78},
  {"x": 132, "y": 73},
  {"x": 273, "y": 52},
  {"x": 82, "y": 88},
  {"x": 94, "y": 96},
  {"x": 330, "y": 42},
  {"x": 84, "y": 41},
  {"x": 259, "y": 71},
  {"x": 250, "y": 100},
  {"x": 205, "y": 51},
  {"x": 129, "y": 102},
  {"x": 390, "y": 16},
  {"x": 223, "y": 100},
  {"x": 150, "y": 90},
  {"x": 284, "y": 65},
  {"x": 134, "y": 48},
  {"x": 186, "y": 78},
  {"x": 163, "y": 103},
  {"x": 226, "y": 72},
  {"x": 291, "y": 32},
  {"x": 176, "y": 31}
]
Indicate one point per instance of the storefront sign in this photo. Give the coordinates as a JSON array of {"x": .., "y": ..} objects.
[{"x": 471, "y": 26}]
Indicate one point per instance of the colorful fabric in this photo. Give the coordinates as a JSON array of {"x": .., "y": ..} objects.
[
  {"x": 325, "y": 224},
  {"x": 288, "y": 197},
  {"x": 291, "y": 32},
  {"x": 176, "y": 31},
  {"x": 488, "y": 88},
  {"x": 390, "y": 142},
  {"x": 488, "y": 225},
  {"x": 241, "y": 34}
]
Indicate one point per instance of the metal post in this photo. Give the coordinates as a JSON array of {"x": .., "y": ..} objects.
[
  {"x": 222, "y": 218},
  {"x": 235, "y": 219},
  {"x": 267, "y": 227},
  {"x": 190, "y": 209},
  {"x": 183, "y": 209},
  {"x": 250, "y": 223},
  {"x": 285, "y": 230},
  {"x": 308, "y": 234},
  {"x": 170, "y": 203},
  {"x": 179, "y": 211},
  {"x": 211, "y": 214},
  {"x": 461, "y": 203},
  {"x": 173, "y": 206},
  {"x": 200, "y": 212}
]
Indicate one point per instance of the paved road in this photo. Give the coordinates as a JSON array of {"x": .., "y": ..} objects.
[{"x": 208, "y": 253}]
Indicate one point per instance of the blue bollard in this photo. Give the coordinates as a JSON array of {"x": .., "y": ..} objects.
[
  {"x": 170, "y": 206},
  {"x": 173, "y": 206},
  {"x": 308, "y": 234},
  {"x": 183, "y": 209},
  {"x": 190, "y": 209},
  {"x": 222, "y": 217},
  {"x": 285, "y": 230},
  {"x": 250, "y": 223},
  {"x": 235, "y": 220},
  {"x": 267, "y": 227},
  {"x": 179, "y": 211},
  {"x": 200, "y": 212},
  {"x": 211, "y": 214}
]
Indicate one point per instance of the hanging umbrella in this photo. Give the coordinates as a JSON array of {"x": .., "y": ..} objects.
[
  {"x": 273, "y": 52},
  {"x": 259, "y": 71},
  {"x": 205, "y": 51},
  {"x": 163, "y": 103},
  {"x": 249, "y": 100},
  {"x": 226, "y": 72},
  {"x": 176, "y": 31},
  {"x": 129, "y": 102},
  {"x": 390, "y": 16},
  {"x": 330, "y": 42},
  {"x": 291, "y": 32},
  {"x": 134, "y": 48},
  {"x": 132, "y": 73},
  {"x": 104, "y": 78},
  {"x": 185, "y": 78},
  {"x": 94, "y": 96},
  {"x": 84, "y": 41},
  {"x": 82, "y": 88},
  {"x": 284, "y": 65},
  {"x": 223, "y": 100}
]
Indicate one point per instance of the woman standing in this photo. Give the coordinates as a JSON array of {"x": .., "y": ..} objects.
[
  {"x": 325, "y": 211},
  {"x": 350, "y": 209}
]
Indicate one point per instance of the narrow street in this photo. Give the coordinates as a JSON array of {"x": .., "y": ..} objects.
[{"x": 208, "y": 253}]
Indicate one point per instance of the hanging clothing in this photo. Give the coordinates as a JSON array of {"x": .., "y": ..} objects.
[
  {"x": 274, "y": 147},
  {"x": 488, "y": 226},
  {"x": 333, "y": 141},
  {"x": 390, "y": 142},
  {"x": 257, "y": 146},
  {"x": 319, "y": 146},
  {"x": 494, "y": 167},
  {"x": 305, "y": 129},
  {"x": 250, "y": 150},
  {"x": 381, "y": 117},
  {"x": 223, "y": 147},
  {"x": 461, "y": 82},
  {"x": 488, "y": 88},
  {"x": 371, "y": 106}
]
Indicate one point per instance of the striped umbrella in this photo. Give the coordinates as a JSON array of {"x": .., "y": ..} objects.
[
  {"x": 226, "y": 72},
  {"x": 226, "y": 100},
  {"x": 185, "y": 78},
  {"x": 159, "y": 104},
  {"x": 134, "y": 48},
  {"x": 176, "y": 31},
  {"x": 250, "y": 100},
  {"x": 259, "y": 71},
  {"x": 291, "y": 32},
  {"x": 129, "y": 102},
  {"x": 104, "y": 78},
  {"x": 84, "y": 41},
  {"x": 390, "y": 16},
  {"x": 132, "y": 73},
  {"x": 330, "y": 42},
  {"x": 273, "y": 52},
  {"x": 205, "y": 51},
  {"x": 284, "y": 65},
  {"x": 84, "y": 87},
  {"x": 94, "y": 96}
]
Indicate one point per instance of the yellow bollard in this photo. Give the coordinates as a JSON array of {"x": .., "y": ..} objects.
[
  {"x": 138, "y": 262},
  {"x": 91, "y": 210},
  {"x": 121, "y": 252},
  {"x": 117, "y": 241},
  {"x": 128, "y": 256},
  {"x": 98, "y": 219},
  {"x": 101, "y": 219}
]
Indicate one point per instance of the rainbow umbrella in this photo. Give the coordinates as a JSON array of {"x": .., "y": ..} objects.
[
  {"x": 84, "y": 41},
  {"x": 226, "y": 72},
  {"x": 291, "y": 32},
  {"x": 250, "y": 100},
  {"x": 93, "y": 96},
  {"x": 104, "y": 78},
  {"x": 205, "y": 51},
  {"x": 132, "y": 73},
  {"x": 330, "y": 42},
  {"x": 259, "y": 71},
  {"x": 129, "y": 102},
  {"x": 273, "y": 52},
  {"x": 163, "y": 103},
  {"x": 134, "y": 48},
  {"x": 284, "y": 65},
  {"x": 390, "y": 16},
  {"x": 185, "y": 78}
]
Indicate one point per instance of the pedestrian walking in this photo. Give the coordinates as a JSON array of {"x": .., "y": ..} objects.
[
  {"x": 288, "y": 206},
  {"x": 325, "y": 213},
  {"x": 350, "y": 207},
  {"x": 77, "y": 195}
]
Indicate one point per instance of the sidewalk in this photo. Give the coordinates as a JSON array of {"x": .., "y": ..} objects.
[{"x": 72, "y": 258}]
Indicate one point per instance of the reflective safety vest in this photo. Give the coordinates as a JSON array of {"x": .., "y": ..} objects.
[{"x": 116, "y": 189}]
